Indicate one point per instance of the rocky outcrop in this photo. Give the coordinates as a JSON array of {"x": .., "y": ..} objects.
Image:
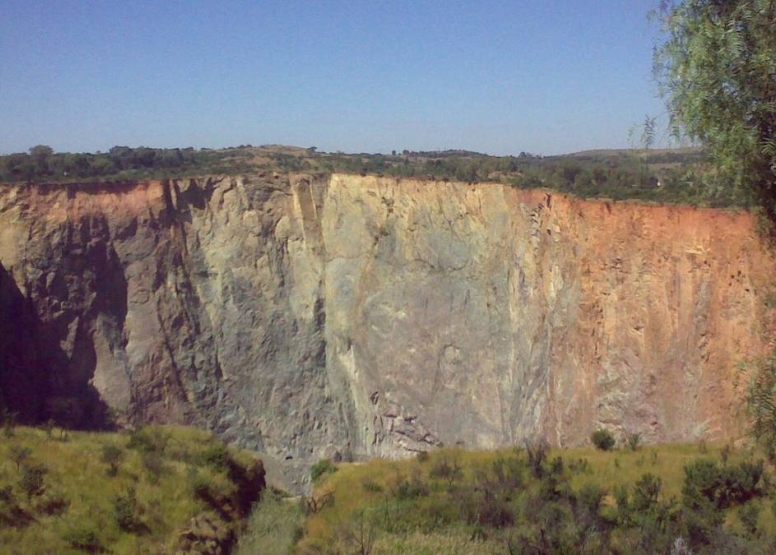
[{"x": 359, "y": 316}]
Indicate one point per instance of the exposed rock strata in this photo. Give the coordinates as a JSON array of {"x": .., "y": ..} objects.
[{"x": 344, "y": 316}]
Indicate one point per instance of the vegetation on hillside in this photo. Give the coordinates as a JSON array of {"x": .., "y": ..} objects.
[
  {"x": 677, "y": 499},
  {"x": 673, "y": 176},
  {"x": 152, "y": 491},
  {"x": 41, "y": 164}
]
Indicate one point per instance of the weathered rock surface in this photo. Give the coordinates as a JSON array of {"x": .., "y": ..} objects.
[{"x": 360, "y": 316}]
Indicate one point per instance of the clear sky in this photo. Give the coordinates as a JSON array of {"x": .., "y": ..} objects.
[{"x": 493, "y": 76}]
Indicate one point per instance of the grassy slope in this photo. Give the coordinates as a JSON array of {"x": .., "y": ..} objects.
[
  {"x": 325, "y": 531},
  {"x": 77, "y": 475},
  {"x": 274, "y": 526}
]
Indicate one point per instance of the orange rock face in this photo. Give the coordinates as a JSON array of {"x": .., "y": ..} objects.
[{"x": 369, "y": 316}]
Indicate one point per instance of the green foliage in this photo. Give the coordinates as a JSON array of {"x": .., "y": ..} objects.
[
  {"x": 645, "y": 493},
  {"x": 120, "y": 163},
  {"x": 709, "y": 484},
  {"x": 321, "y": 468},
  {"x": 716, "y": 65},
  {"x": 664, "y": 176},
  {"x": 761, "y": 403},
  {"x": 603, "y": 440},
  {"x": 554, "y": 484},
  {"x": 590, "y": 497},
  {"x": 126, "y": 512}
]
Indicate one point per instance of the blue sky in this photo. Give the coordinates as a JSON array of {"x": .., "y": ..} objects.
[{"x": 358, "y": 76}]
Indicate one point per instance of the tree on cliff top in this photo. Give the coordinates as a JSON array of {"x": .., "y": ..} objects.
[{"x": 716, "y": 66}]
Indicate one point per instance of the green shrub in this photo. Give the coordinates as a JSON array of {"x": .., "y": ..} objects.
[
  {"x": 708, "y": 483},
  {"x": 11, "y": 513},
  {"x": 84, "y": 537},
  {"x": 8, "y": 498},
  {"x": 19, "y": 454},
  {"x": 126, "y": 512},
  {"x": 149, "y": 439},
  {"x": 633, "y": 441},
  {"x": 51, "y": 504},
  {"x": 153, "y": 463},
  {"x": 322, "y": 467},
  {"x": 506, "y": 474},
  {"x": 32, "y": 480},
  {"x": 112, "y": 455},
  {"x": 603, "y": 440},
  {"x": 359, "y": 534},
  {"x": 405, "y": 488},
  {"x": 750, "y": 517},
  {"x": 494, "y": 512},
  {"x": 444, "y": 469},
  {"x": 579, "y": 466},
  {"x": 537, "y": 452},
  {"x": 646, "y": 493},
  {"x": 554, "y": 483},
  {"x": 590, "y": 498}
]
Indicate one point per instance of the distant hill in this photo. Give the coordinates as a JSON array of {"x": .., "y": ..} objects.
[{"x": 662, "y": 175}]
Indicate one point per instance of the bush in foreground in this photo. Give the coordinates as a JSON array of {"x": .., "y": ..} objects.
[{"x": 603, "y": 440}]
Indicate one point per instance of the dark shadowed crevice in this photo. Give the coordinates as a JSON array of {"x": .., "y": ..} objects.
[
  {"x": 38, "y": 381},
  {"x": 22, "y": 372}
]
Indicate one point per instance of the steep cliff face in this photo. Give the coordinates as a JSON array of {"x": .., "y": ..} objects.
[{"x": 308, "y": 317}]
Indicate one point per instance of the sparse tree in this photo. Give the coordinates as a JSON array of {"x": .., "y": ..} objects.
[
  {"x": 360, "y": 533},
  {"x": 19, "y": 454},
  {"x": 112, "y": 455}
]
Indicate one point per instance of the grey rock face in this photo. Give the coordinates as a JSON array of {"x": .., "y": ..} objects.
[{"x": 356, "y": 316}]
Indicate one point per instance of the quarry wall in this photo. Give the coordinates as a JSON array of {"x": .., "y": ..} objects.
[{"x": 307, "y": 316}]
